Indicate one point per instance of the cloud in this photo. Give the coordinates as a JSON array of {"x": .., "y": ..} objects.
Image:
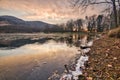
[{"x": 53, "y": 11}]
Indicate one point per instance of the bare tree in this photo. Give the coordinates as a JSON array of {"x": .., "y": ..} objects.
[
  {"x": 70, "y": 25},
  {"x": 119, "y": 11},
  {"x": 79, "y": 24},
  {"x": 84, "y": 4}
]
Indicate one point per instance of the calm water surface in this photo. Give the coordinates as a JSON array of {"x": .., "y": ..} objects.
[{"x": 38, "y": 59}]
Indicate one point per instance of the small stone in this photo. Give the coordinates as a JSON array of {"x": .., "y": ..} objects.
[
  {"x": 44, "y": 62},
  {"x": 109, "y": 65},
  {"x": 108, "y": 49},
  {"x": 32, "y": 69},
  {"x": 114, "y": 58},
  {"x": 49, "y": 78},
  {"x": 106, "y": 55}
]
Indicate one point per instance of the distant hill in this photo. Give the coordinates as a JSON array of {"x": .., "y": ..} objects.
[{"x": 13, "y": 24}]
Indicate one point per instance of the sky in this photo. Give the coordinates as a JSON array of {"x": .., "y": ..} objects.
[{"x": 50, "y": 11}]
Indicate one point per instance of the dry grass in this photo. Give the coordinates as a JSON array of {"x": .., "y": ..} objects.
[
  {"x": 104, "y": 59},
  {"x": 114, "y": 33}
]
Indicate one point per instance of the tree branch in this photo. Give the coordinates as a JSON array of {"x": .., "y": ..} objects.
[{"x": 101, "y": 3}]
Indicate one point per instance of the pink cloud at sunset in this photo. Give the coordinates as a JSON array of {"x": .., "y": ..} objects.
[{"x": 51, "y": 11}]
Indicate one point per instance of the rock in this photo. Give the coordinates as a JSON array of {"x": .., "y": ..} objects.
[
  {"x": 89, "y": 78},
  {"x": 109, "y": 65},
  {"x": 114, "y": 58},
  {"x": 44, "y": 62}
]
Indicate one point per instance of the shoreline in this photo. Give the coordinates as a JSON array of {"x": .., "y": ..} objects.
[
  {"x": 104, "y": 59},
  {"x": 75, "y": 70},
  {"x": 103, "y": 62}
]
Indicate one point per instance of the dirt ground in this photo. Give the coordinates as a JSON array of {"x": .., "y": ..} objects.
[{"x": 104, "y": 60}]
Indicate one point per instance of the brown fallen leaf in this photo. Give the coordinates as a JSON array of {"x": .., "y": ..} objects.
[{"x": 89, "y": 78}]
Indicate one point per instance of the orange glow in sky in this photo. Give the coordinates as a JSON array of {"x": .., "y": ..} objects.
[{"x": 51, "y": 11}]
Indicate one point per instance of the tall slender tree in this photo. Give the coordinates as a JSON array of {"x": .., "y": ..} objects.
[
  {"x": 119, "y": 11},
  {"x": 70, "y": 25}
]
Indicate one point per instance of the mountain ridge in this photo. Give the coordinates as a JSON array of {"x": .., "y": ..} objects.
[{"x": 14, "y": 22}]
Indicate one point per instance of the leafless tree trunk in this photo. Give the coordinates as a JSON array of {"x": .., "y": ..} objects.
[
  {"x": 119, "y": 11},
  {"x": 115, "y": 13}
]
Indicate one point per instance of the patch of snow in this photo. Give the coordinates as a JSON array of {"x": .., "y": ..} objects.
[
  {"x": 86, "y": 50},
  {"x": 90, "y": 43},
  {"x": 80, "y": 63},
  {"x": 66, "y": 77}
]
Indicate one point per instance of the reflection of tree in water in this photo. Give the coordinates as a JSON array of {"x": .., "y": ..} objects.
[
  {"x": 83, "y": 41},
  {"x": 75, "y": 39},
  {"x": 69, "y": 41}
]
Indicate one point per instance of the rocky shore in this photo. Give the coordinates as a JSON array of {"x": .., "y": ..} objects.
[{"x": 104, "y": 60}]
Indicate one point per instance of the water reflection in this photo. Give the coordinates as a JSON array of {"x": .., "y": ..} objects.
[
  {"x": 76, "y": 68},
  {"x": 70, "y": 40},
  {"x": 37, "y": 60},
  {"x": 10, "y": 44},
  {"x": 74, "y": 39}
]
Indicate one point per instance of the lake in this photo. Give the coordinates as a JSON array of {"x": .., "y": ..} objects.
[{"x": 37, "y": 56}]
